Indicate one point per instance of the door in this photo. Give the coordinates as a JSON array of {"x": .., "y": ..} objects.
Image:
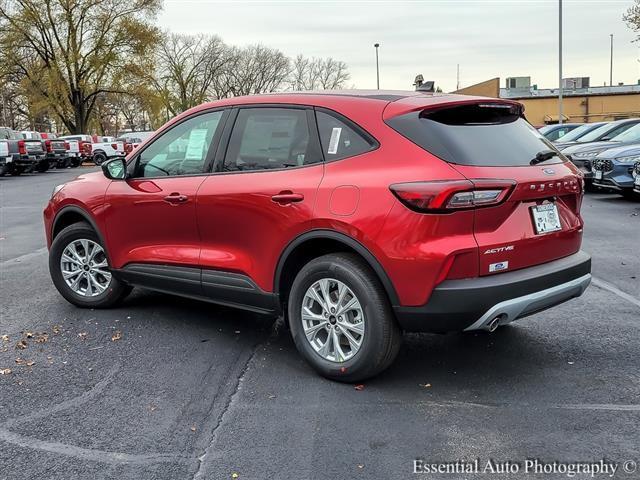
[
  {"x": 263, "y": 193},
  {"x": 151, "y": 217}
]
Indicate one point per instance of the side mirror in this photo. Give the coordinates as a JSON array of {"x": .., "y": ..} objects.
[
  {"x": 115, "y": 169},
  {"x": 605, "y": 139}
]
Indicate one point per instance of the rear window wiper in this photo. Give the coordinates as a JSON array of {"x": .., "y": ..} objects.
[{"x": 543, "y": 156}]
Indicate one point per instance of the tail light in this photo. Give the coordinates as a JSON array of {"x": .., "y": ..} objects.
[
  {"x": 114, "y": 146},
  {"x": 22, "y": 147},
  {"x": 67, "y": 146},
  {"x": 128, "y": 147},
  {"x": 86, "y": 147},
  {"x": 47, "y": 144},
  {"x": 450, "y": 195}
]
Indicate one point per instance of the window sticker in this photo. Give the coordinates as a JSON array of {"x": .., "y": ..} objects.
[
  {"x": 195, "y": 148},
  {"x": 334, "y": 140}
]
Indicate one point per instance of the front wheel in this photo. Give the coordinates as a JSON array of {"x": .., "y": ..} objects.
[
  {"x": 341, "y": 320},
  {"x": 79, "y": 268}
]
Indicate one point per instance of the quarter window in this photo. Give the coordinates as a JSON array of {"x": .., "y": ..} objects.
[
  {"x": 338, "y": 139},
  {"x": 270, "y": 138},
  {"x": 183, "y": 150}
]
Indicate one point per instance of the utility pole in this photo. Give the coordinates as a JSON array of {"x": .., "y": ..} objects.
[
  {"x": 611, "y": 63},
  {"x": 560, "y": 61},
  {"x": 377, "y": 67},
  {"x": 458, "y": 77}
]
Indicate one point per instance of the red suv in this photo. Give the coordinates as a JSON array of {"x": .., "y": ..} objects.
[{"x": 357, "y": 215}]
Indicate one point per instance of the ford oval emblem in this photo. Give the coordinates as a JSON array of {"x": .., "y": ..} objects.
[{"x": 548, "y": 171}]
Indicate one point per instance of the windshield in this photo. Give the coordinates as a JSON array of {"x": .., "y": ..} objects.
[
  {"x": 597, "y": 133},
  {"x": 631, "y": 135},
  {"x": 577, "y": 133}
]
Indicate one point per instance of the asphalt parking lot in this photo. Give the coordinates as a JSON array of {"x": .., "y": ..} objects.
[{"x": 173, "y": 389}]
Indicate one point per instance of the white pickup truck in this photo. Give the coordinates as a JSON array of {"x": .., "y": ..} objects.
[{"x": 108, "y": 148}]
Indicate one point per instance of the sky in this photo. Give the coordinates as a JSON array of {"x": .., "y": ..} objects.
[{"x": 487, "y": 38}]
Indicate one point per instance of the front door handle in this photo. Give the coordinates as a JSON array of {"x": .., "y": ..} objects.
[
  {"x": 176, "y": 198},
  {"x": 286, "y": 197}
]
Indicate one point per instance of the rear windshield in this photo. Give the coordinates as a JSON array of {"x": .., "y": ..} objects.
[
  {"x": 576, "y": 133},
  {"x": 478, "y": 134}
]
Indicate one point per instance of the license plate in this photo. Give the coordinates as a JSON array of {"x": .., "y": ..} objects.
[
  {"x": 597, "y": 174},
  {"x": 546, "y": 218},
  {"x": 637, "y": 180}
]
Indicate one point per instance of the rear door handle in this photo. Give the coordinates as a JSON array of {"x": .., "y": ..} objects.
[
  {"x": 286, "y": 197},
  {"x": 176, "y": 198}
]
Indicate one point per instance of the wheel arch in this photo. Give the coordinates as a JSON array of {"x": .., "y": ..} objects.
[
  {"x": 315, "y": 243},
  {"x": 72, "y": 214}
]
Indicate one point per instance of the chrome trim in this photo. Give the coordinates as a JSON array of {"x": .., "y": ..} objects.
[{"x": 512, "y": 309}]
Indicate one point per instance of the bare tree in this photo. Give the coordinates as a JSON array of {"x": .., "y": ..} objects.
[
  {"x": 318, "y": 74},
  {"x": 187, "y": 66},
  {"x": 72, "y": 51},
  {"x": 632, "y": 17},
  {"x": 252, "y": 70}
]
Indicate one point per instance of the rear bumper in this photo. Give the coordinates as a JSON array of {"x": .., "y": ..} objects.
[{"x": 471, "y": 304}]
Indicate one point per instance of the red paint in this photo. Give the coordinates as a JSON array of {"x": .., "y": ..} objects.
[{"x": 242, "y": 221}]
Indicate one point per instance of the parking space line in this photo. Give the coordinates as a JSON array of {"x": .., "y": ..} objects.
[{"x": 615, "y": 290}]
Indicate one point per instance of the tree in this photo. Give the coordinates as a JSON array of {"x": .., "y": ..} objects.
[
  {"x": 251, "y": 70},
  {"x": 73, "y": 51},
  {"x": 632, "y": 17},
  {"x": 318, "y": 74},
  {"x": 187, "y": 66}
]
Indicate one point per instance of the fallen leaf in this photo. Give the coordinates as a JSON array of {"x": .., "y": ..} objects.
[
  {"x": 28, "y": 334},
  {"x": 21, "y": 345},
  {"x": 425, "y": 385},
  {"x": 56, "y": 329},
  {"x": 42, "y": 338},
  {"x": 234, "y": 475},
  {"x": 83, "y": 335},
  {"x": 359, "y": 387},
  {"x": 271, "y": 396},
  {"x": 116, "y": 336},
  {"x": 152, "y": 407},
  {"x": 5, "y": 371},
  {"x": 360, "y": 465},
  {"x": 193, "y": 429},
  {"x": 570, "y": 363},
  {"x": 5, "y": 338}
]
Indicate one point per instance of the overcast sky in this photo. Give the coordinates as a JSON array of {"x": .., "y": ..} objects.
[{"x": 487, "y": 38}]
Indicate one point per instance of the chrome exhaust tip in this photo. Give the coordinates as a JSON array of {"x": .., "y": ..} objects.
[{"x": 494, "y": 324}]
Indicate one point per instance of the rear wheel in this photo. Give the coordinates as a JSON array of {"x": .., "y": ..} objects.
[
  {"x": 80, "y": 270},
  {"x": 42, "y": 166},
  {"x": 341, "y": 320},
  {"x": 99, "y": 158},
  {"x": 74, "y": 162}
]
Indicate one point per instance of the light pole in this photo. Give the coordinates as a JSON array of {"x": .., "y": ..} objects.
[
  {"x": 377, "y": 67},
  {"x": 611, "y": 63},
  {"x": 560, "y": 61}
]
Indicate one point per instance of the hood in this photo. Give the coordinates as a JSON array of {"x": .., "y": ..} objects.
[
  {"x": 622, "y": 151},
  {"x": 589, "y": 147}
]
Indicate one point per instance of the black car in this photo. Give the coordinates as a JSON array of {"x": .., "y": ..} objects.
[{"x": 24, "y": 155}]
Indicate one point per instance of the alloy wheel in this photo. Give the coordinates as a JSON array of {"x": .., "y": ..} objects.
[
  {"x": 84, "y": 268},
  {"x": 333, "y": 320}
]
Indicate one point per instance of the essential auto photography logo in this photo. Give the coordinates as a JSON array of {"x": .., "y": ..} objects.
[{"x": 602, "y": 468}]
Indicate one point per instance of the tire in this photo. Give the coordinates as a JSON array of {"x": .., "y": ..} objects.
[
  {"x": 75, "y": 162},
  {"x": 99, "y": 158},
  {"x": 42, "y": 167},
  {"x": 381, "y": 338},
  {"x": 114, "y": 290}
]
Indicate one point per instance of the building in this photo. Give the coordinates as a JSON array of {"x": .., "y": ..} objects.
[{"x": 581, "y": 102}]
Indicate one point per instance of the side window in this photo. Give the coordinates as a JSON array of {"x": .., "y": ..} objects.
[
  {"x": 180, "y": 151},
  {"x": 338, "y": 139},
  {"x": 270, "y": 138}
]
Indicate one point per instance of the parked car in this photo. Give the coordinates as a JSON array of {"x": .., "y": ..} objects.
[
  {"x": 103, "y": 151},
  {"x": 582, "y": 156},
  {"x": 44, "y": 163},
  {"x": 613, "y": 169},
  {"x": 356, "y": 214},
  {"x": 576, "y": 134},
  {"x": 133, "y": 139},
  {"x": 601, "y": 134},
  {"x": 56, "y": 150},
  {"x": 636, "y": 178},
  {"x": 84, "y": 146},
  {"x": 556, "y": 132},
  {"x": 5, "y": 158},
  {"x": 25, "y": 155}
]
